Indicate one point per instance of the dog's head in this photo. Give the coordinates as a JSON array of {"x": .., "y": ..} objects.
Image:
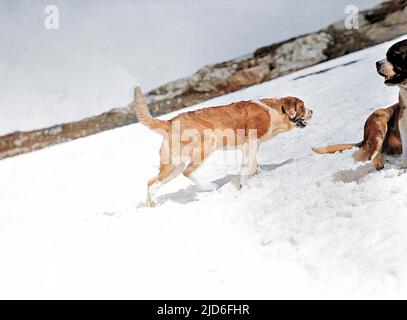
[
  {"x": 394, "y": 67},
  {"x": 296, "y": 111}
]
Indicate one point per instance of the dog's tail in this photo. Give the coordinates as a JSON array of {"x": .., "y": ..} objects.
[
  {"x": 140, "y": 108},
  {"x": 335, "y": 148}
]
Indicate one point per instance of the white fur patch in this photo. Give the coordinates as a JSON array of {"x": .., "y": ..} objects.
[
  {"x": 403, "y": 134},
  {"x": 260, "y": 103},
  {"x": 202, "y": 184}
]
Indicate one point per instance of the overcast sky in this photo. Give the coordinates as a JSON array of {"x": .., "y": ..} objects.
[{"x": 103, "y": 47}]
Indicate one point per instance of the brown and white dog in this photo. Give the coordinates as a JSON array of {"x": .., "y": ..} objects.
[
  {"x": 191, "y": 137},
  {"x": 385, "y": 130}
]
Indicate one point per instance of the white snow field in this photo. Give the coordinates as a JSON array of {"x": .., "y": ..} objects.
[{"x": 308, "y": 226}]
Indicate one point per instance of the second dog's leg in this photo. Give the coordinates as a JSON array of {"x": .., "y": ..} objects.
[
  {"x": 374, "y": 145},
  {"x": 377, "y": 146},
  {"x": 403, "y": 135},
  {"x": 378, "y": 161}
]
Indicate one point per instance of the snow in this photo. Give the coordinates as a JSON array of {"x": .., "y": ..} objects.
[
  {"x": 308, "y": 226},
  {"x": 102, "y": 47}
]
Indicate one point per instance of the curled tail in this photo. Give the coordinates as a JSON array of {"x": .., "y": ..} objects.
[
  {"x": 335, "y": 148},
  {"x": 140, "y": 108}
]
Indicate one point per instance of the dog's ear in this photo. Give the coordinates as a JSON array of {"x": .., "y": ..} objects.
[
  {"x": 289, "y": 107},
  {"x": 397, "y": 55},
  {"x": 403, "y": 52}
]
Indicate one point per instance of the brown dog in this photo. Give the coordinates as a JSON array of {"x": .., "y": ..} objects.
[
  {"x": 386, "y": 129},
  {"x": 191, "y": 137},
  {"x": 381, "y": 135}
]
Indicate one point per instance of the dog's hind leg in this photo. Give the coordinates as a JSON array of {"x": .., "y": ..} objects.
[
  {"x": 378, "y": 162},
  {"x": 202, "y": 184},
  {"x": 375, "y": 146},
  {"x": 375, "y": 133},
  {"x": 166, "y": 174},
  {"x": 377, "y": 157}
]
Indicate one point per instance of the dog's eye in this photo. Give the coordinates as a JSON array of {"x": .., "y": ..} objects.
[{"x": 391, "y": 57}]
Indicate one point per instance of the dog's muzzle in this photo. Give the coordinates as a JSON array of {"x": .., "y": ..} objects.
[{"x": 300, "y": 123}]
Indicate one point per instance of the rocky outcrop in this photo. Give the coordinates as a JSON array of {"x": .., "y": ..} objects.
[
  {"x": 263, "y": 65},
  {"x": 385, "y": 22},
  {"x": 22, "y": 142}
]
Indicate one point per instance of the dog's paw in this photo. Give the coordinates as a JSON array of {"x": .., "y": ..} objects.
[
  {"x": 207, "y": 186},
  {"x": 243, "y": 181},
  {"x": 378, "y": 164},
  {"x": 146, "y": 204},
  {"x": 257, "y": 171}
]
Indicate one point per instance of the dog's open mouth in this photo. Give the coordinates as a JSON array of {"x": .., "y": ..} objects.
[
  {"x": 392, "y": 81},
  {"x": 387, "y": 79},
  {"x": 397, "y": 79},
  {"x": 300, "y": 123}
]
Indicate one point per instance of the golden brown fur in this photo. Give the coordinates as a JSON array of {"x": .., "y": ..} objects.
[
  {"x": 381, "y": 136},
  {"x": 192, "y": 136},
  {"x": 386, "y": 129}
]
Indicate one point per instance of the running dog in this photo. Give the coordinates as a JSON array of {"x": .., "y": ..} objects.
[{"x": 191, "y": 137}]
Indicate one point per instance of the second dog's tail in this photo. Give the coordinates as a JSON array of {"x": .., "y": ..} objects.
[
  {"x": 335, "y": 148},
  {"x": 140, "y": 108}
]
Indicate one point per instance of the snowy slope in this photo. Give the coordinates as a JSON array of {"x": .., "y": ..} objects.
[{"x": 307, "y": 226}]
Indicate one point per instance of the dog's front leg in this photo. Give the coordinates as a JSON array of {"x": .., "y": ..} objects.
[
  {"x": 403, "y": 135},
  {"x": 249, "y": 164}
]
